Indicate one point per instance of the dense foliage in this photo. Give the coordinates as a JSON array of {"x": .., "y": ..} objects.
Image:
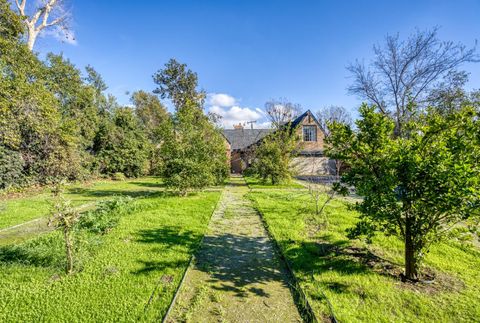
[
  {"x": 193, "y": 150},
  {"x": 272, "y": 158},
  {"x": 57, "y": 123},
  {"x": 417, "y": 186}
]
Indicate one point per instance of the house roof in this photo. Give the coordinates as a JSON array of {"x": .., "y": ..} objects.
[
  {"x": 243, "y": 138},
  {"x": 299, "y": 119}
]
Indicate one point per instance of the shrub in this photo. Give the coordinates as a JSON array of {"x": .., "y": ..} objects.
[
  {"x": 106, "y": 216},
  {"x": 273, "y": 156},
  {"x": 118, "y": 176}
]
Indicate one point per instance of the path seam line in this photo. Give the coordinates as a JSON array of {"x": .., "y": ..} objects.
[{"x": 192, "y": 258}]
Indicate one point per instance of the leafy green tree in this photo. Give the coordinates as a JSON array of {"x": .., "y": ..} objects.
[
  {"x": 120, "y": 144},
  {"x": 272, "y": 158},
  {"x": 151, "y": 113},
  {"x": 30, "y": 122},
  {"x": 11, "y": 25},
  {"x": 177, "y": 83},
  {"x": 193, "y": 150},
  {"x": 415, "y": 187},
  {"x": 78, "y": 107},
  {"x": 11, "y": 168},
  {"x": 94, "y": 79}
]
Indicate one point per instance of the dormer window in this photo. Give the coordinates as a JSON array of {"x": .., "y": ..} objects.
[{"x": 309, "y": 133}]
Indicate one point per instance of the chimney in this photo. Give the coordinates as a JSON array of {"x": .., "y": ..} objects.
[{"x": 238, "y": 126}]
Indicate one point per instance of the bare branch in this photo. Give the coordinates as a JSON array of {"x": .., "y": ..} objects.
[
  {"x": 50, "y": 14},
  {"x": 281, "y": 111},
  {"x": 21, "y": 6},
  {"x": 327, "y": 115},
  {"x": 406, "y": 71}
]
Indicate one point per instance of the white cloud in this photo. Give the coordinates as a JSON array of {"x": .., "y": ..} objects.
[
  {"x": 236, "y": 114},
  {"x": 263, "y": 125},
  {"x": 232, "y": 113},
  {"x": 221, "y": 100}
]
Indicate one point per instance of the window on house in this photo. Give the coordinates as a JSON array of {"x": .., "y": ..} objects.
[{"x": 309, "y": 133}]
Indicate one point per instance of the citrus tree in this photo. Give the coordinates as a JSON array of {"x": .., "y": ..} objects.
[{"x": 418, "y": 186}]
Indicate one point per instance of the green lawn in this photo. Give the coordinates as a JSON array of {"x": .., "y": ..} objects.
[
  {"x": 256, "y": 183},
  {"x": 21, "y": 209},
  {"x": 361, "y": 281},
  {"x": 129, "y": 274}
]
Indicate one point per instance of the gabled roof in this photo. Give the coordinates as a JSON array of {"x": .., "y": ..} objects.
[
  {"x": 299, "y": 119},
  {"x": 243, "y": 138}
]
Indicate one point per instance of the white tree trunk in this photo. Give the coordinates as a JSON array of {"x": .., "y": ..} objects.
[
  {"x": 31, "y": 38},
  {"x": 40, "y": 19}
]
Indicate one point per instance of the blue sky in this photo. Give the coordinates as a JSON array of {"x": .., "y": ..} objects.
[{"x": 252, "y": 51}]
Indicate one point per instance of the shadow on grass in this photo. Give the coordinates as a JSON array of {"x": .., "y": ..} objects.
[
  {"x": 234, "y": 262},
  {"x": 46, "y": 252},
  {"x": 111, "y": 193},
  {"x": 171, "y": 237},
  {"x": 340, "y": 257},
  {"x": 149, "y": 184}
]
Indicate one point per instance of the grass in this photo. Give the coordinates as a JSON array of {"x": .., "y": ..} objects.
[
  {"x": 361, "y": 281},
  {"x": 21, "y": 209},
  {"x": 128, "y": 274},
  {"x": 257, "y": 183}
]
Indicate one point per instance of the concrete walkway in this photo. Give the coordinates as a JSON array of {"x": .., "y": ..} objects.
[{"x": 237, "y": 276}]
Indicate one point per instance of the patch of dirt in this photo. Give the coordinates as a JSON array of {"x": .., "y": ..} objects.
[
  {"x": 430, "y": 282},
  {"x": 54, "y": 278},
  {"x": 433, "y": 282}
]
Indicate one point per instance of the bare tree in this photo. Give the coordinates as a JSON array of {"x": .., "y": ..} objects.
[
  {"x": 326, "y": 116},
  {"x": 48, "y": 14},
  {"x": 333, "y": 113},
  {"x": 322, "y": 189},
  {"x": 281, "y": 111},
  {"x": 404, "y": 72}
]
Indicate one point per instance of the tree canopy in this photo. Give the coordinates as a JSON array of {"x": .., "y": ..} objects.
[{"x": 418, "y": 186}]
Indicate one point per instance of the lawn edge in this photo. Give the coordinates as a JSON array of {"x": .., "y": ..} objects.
[
  {"x": 299, "y": 296},
  {"x": 190, "y": 262}
]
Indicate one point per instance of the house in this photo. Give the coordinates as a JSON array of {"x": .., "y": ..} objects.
[{"x": 310, "y": 161}]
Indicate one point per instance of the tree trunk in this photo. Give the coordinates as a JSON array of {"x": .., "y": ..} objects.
[
  {"x": 338, "y": 166},
  {"x": 68, "y": 248},
  {"x": 31, "y": 37},
  {"x": 411, "y": 259}
]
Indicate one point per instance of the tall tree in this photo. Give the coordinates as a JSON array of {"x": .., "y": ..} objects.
[
  {"x": 281, "y": 111},
  {"x": 150, "y": 111},
  {"x": 31, "y": 126},
  {"x": 178, "y": 83},
  {"x": 120, "y": 145},
  {"x": 333, "y": 113},
  {"x": 415, "y": 187},
  {"x": 42, "y": 15},
  {"x": 193, "y": 150},
  {"x": 403, "y": 72}
]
